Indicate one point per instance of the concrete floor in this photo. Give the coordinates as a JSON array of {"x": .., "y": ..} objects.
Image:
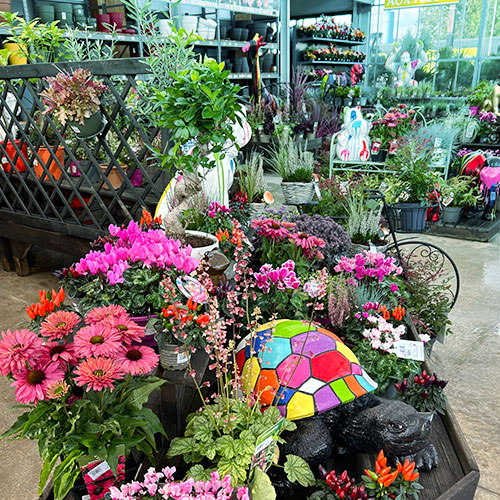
[{"x": 470, "y": 360}]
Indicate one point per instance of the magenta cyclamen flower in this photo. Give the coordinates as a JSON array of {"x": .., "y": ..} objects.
[
  {"x": 282, "y": 278},
  {"x": 152, "y": 248}
]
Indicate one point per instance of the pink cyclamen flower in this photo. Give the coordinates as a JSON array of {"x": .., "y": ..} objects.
[
  {"x": 100, "y": 313},
  {"x": 61, "y": 354},
  {"x": 128, "y": 331},
  {"x": 98, "y": 373},
  {"x": 59, "y": 324},
  {"x": 137, "y": 360},
  {"x": 32, "y": 383},
  {"x": 18, "y": 348},
  {"x": 94, "y": 340},
  {"x": 394, "y": 287}
]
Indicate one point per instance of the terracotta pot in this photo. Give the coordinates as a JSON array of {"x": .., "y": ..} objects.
[
  {"x": 49, "y": 162},
  {"x": 114, "y": 176}
]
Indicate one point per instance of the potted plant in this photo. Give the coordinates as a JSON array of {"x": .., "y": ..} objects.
[
  {"x": 251, "y": 182},
  {"x": 74, "y": 98},
  {"x": 413, "y": 182},
  {"x": 477, "y": 97},
  {"x": 84, "y": 383},
  {"x": 457, "y": 193},
  {"x": 295, "y": 166}
]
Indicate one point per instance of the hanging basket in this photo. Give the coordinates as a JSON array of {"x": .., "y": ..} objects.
[
  {"x": 298, "y": 193},
  {"x": 170, "y": 359},
  {"x": 92, "y": 126}
]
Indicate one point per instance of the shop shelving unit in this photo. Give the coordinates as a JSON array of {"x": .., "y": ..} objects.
[{"x": 211, "y": 8}]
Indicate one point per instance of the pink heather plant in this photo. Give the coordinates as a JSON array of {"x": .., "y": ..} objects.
[
  {"x": 368, "y": 264},
  {"x": 152, "y": 248},
  {"x": 160, "y": 486}
]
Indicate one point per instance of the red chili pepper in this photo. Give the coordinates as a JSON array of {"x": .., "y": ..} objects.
[
  {"x": 30, "y": 313},
  {"x": 371, "y": 474}
]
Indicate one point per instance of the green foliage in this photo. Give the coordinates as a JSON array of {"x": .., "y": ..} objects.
[
  {"x": 480, "y": 93},
  {"x": 363, "y": 225},
  {"x": 251, "y": 178},
  {"x": 102, "y": 425},
  {"x": 79, "y": 46},
  {"x": 461, "y": 191},
  {"x": 291, "y": 162},
  {"x": 40, "y": 43},
  {"x": 198, "y": 106},
  {"x": 225, "y": 435},
  {"x": 383, "y": 367},
  {"x": 140, "y": 293},
  {"x": 262, "y": 488},
  {"x": 297, "y": 470}
]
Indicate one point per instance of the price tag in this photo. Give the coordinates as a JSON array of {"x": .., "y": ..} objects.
[
  {"x": 446, "y": 201},
  {"x": 181, "y": 357},
  {"x": 99, "y": 470},
  {"x": 86, "y": 497},
  {"x": 266, "y": 446},
  {"x": 409, "y": 349}
]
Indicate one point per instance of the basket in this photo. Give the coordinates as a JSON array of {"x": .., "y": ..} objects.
[
  {"x": 298, "y": 193},
  {"x": 411, "y": 217}
]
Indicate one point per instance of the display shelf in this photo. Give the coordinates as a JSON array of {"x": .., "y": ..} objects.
[
  {"x": 228, "y": 44},
  {"x": 480, "y": 145},
  {"x": 332, "y": 63},
  {"x": 474, "y": 229},
  {"x": 234, "y": 8},
  {"x": 248, "y": 76},
  {"x": 316, "y": 39}
]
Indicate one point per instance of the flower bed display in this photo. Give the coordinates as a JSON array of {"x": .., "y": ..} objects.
[
  {"x": 328, "y": 28},
  {"x": 333, "y": 54}
]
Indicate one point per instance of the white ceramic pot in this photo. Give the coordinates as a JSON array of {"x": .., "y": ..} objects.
[
  {"x": 190, "y": 23},
  {"x": 206, "y": 28},
  {"x": 199, "y": 252}
]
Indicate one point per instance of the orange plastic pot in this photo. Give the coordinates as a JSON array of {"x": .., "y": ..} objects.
[
  {"x": 49, "y": 162},
  {"x": 114, "y": 176},
  {"x": 16, "y": 56},
  {"x": 22, "y": 159}
]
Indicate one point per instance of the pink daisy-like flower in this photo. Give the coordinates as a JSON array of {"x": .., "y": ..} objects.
[
  {"x": 100, "y": 313},
  {"x": 272, "y": 229},
  {"x": 59, "y": 324},
  {"x": 128, "y": 331},
  {"x": 138, "y": 360},
  {"x": 61, "y": 354},
  {"x": 98, "y": 373},
  {"x": 306, "y": 241},
  {"x": 31, "y": 384},
  {"x": 57, "y": 390},
  {"x": 95, "y": 340},
  {"x": 17, "y": 348}
]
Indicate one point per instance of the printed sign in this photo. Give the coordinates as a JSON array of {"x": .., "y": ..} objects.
[
  {"x": 266, "y": 446},
  {"x": 409, "y": 349},
  {"x": 406, "y": 4},
  {"x": 98, "y": 477}
]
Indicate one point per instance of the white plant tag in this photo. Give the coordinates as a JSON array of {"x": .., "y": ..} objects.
[
  {"x": 409, "y": 349},
  {"x": 99, "y": 470},
  {"x": 181, "y": 357},
  {"x": 86, "y": 497}
]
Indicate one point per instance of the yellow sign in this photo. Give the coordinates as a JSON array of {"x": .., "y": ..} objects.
[{"x": 406, "y": 4}]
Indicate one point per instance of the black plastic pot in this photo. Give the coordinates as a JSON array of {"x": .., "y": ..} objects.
[
  {"x": 244, "y": 34},
  {"x": 91, "y": 127},
  {"x": 380, "y": 156},
  {"x": 451, "y": 215},
  {"x": 267, "y": 62},
  {"x": 412, "y": 217},
  {"x": 223, "y": 32},
  {"x": 235, "y": 34}
]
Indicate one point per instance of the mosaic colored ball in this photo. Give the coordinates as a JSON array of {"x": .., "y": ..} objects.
[{"x": 302, "y": 368}]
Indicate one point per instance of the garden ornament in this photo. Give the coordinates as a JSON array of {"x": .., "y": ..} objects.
[
  {"x": 214, "y": 183},
  {"x": 492, "y": 103},
  {"x": 314, "y": 379},
  {"x": 405, "y": 69},
  {"x": 490, "y": 186},
  {"x": 353, "y": 141}
]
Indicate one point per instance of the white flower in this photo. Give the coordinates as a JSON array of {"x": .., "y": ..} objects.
[{"x": 424, "y": 337}]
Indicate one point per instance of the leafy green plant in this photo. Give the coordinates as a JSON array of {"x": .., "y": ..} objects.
[
  {"x": 251, "y": 178},
  {"x": 73, "y": 96},
  {"x": 40, "y": 43},
  {"x": 198, "y": 106},
  {"x": 80, "y": 46},
  {"x": 461, "y": 192},
  {"x": 363, "y": 225},
  {"x": 223, "y": 437},
  {"x": 290, "y": 161},
  {"x": 383, "y": 367},
  {"x": 480, "y": 93}
]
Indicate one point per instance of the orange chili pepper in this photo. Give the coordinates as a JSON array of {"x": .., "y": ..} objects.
[
  {"x": 385, "y": 471},
  {"x": 381, "y": 459},
  {"x": 388, "y": 479},
  {"x": 398, "y": 313},
  {"x": 61, "y": 294},
  {"x": 413, "y": 477},
  {"x": 371, "y": 474},
  {"x": 30, "y": 313},
  {"x": 377, "y": 468}
]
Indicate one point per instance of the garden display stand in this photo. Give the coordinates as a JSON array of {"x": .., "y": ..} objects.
[{"x": 474, "y": 229}]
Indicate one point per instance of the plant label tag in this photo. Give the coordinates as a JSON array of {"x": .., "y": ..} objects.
[
  {"x": 181, "y": 357},
  {"x": 317, "y": 191},
  {"x": 470, "y": 130},
  {"x": 266, "y": 447},
  {"x": 99, "y": 470},
  {"x": 86, "y": 497},
  {"x": 446, "y": 201},
  {"x": 409, "y": 349}
]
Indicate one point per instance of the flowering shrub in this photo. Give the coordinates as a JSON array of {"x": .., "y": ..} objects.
[
  {"x": 424, "y": 392},
  {"x": 152, "y": 489},
  {"x": 73, "y": 96},
  {"x": 85, "y": 396}
]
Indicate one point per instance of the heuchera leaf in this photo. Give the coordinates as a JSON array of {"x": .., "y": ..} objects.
[{"x": 297, "y": 470}]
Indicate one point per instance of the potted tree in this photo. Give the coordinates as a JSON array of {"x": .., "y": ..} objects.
[
  {"x": 457, "y": 193},
  {"x": 413, "y": 182},
  {"x": 295, "y": 166},
  {"x": 74, "y": 98}
]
